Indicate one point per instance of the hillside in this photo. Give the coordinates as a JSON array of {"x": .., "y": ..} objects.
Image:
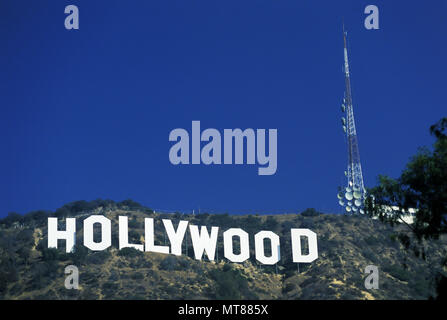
[{"x": 346, "y": 245}]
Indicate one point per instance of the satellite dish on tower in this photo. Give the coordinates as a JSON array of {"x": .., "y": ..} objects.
[{"x": 348, "y": 196}]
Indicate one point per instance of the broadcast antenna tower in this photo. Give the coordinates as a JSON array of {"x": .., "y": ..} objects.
[{"x": 353, "y": 195}]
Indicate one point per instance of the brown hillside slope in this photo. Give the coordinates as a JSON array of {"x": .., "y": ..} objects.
[{"x": 346, "y": 244}]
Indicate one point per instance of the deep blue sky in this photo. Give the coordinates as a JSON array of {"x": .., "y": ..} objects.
[{"x": 86, "y": 114}]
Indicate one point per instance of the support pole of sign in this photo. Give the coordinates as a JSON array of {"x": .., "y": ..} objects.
[
  {"x": 186, "y": 242},
  {"x": 279, "y": 259},
  {"x": 74, "y": 242}
]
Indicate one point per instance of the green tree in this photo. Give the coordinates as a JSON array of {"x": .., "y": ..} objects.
[{"x": 422, "y": 186}]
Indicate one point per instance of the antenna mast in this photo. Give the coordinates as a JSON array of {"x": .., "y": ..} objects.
[{"x": 353, "y": 195}]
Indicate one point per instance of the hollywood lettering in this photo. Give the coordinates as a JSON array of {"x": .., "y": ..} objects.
[{"x": 202, "y": 240}]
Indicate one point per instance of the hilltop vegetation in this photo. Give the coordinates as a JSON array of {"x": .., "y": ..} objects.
[{"x": 346, "y": 244}]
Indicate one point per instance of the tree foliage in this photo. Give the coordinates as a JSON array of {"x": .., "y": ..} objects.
[
  {"x": 310, "y": 212},
  {"x": 422, "y": 187}
]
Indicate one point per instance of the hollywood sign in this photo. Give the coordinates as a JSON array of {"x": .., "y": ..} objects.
[{"x": 202, "y": 240}]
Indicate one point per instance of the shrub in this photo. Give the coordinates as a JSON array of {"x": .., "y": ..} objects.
[
  {"x": 98, "y": 257},
  {"x": 50, "y": 254},
  {"x": 62, "y": 212},
  {"x": 231, "y": 284},
  {"x": 221, "y": 220},
  {"x": 310, "y": 212},
  {"x": 79, "y": 254},
  {"x": 24, "y": 253},
  {"x": 404, "y": 239},
  {"x": 169, "y": 263},
  {"x": 134, "y": 236},
  {"x": 90, "y": 278},
  {"x": 114, "y": 276},
  {"x": 3, "y": 282},
  {"x": 397, "y": 272},
  {"x": 184, "y": 263},
  {"x": 137, "y": 276},
  {"x": 251, "y": 223},
  {"x": 289, "y": 287},
  {"x": 42, "y": 273},
  {"x": 133, "y": 223},
  {"x": 88, "y": 294},
  {"x": 271, "y": 223},
  {"x": 25, "y": 237},
  {"x": 11, "y": 218},
  {"x": 372, "y": 241},
  {"x": 75, "y": 207},
  {"x": 308, "y": 223},
  {"x": 36, "y": 216},
  {"x": 129, "y": 203},
  {"x": 369, "y": 255},
  {"x": 109, "y": 289},
  {"x": 130, "y": 252},
  {"x": 202, "y": 217}
]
